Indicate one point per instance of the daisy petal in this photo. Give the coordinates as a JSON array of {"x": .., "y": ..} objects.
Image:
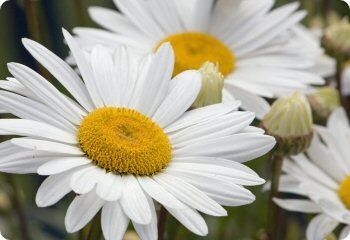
[
  {"x": 149, "y": 231},
  {"x": 62, "y": 164},
  {"x": 134, "y": 201},
  {"x": 114, "y": 222},
  {"x": 85, "y": 69},
  {"x": 32, "y": 128},
  {"x": 320, "y": 226},
  {"x": 53, "y": 189},
  {"x": 61, "y": 71},
  {"x": 190, "y": 195},
  {"x": 82, "y": 210},
  {"x": 157, "y": 192},
  {"x": 84, "y": 180},
  {"x": 191, "y": 219},
  {"x": 110, "y": 187},
  {"x": 47, "y": 146},
  {"x": 304, "y": 206},
  {"x": 184, "y": 89}
]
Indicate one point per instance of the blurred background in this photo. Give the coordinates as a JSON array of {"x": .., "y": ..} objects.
[{"x": 42, "y": 21}]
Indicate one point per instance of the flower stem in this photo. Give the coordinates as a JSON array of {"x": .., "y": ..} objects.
[
  {"x": 162, "y": 223},
  {"x": 95, "y": 232},
  {"x": 16, "y": 202},
  {"x": 274, "y": 210},
  {"x": 33, "y": 20},
  {"x": 80, "y": 11}
]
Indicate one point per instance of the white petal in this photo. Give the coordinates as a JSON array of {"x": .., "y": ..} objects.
[
  {"x": 344, "y": 232},
  {"x": 32, "y": 128},
  {"x": 157, "y": 192},
  {"x": 85, "y": 69},
  {"x": 215, "y": 128},
  {"x": 184, "y": 89},
  {"x": 211, "y": 169},
  {"x": 239, "y": 147},
  {"x": 148, "y": 231},
  {"x": 59, "y": 165},
  {"x": 134, "y": 201},
  {"x": 250, "y": 101},
  {"x": 53, "y": 189},
  {"x": 138, "y": 14},
  {"x": 47, "y": 146},
  {"x": 114, "y": 222},
  {"x": 84, "y": 180},
  {"x": 320, "y": 226},
  {"x": 110, "y": 187},
  {"x": 61, "y": 71},
  {"x": 190, "y": 195},
  {"x": 191, "y": 219},
  {"x": 305, "y": 206},
  {"x": 103, "y": 70},
  {"x": 81, "y": 211},
  {"x": 203, "y": 114},
  {"x": 47, "y": 93},
  {"x": 26, "y": 108},
  {"x": 223, "y": 191},
  {"x": 157, "y": 80},
  {"x": 22, "y": 161}
]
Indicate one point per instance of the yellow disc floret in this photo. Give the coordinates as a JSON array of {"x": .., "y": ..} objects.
[
  {"x": 344, "y": 191},
  {"x": 124, "y": 141},
  {"x": 192, "y": 49}
]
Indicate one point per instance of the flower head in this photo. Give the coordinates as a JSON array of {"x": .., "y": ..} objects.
[
  {"x": 290, "y": 122},
  {"x": 212, "y": 85},
  {"x": 124, "y": 139},
  {"x": 336, "y": 38},
  {"x": 257, "y": 49},
  {"x": 323, "y": 102},
  {"x": 321, "y": 175}
]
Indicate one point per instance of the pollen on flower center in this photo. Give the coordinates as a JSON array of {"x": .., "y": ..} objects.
[
  {"x": 344, "y": 191},
  {"x": 192, "y": 49},
  {"x": 124, "y": 141}
]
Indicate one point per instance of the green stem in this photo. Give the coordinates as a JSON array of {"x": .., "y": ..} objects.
[
  {"x": 274, "y": 210},
  {"x": 95, "y": 232},
  {"x": 32, "y": 19},
  {"x": 309, "y": 6},
  {"x": 162, "y": 223},
  {"x": 17, "y": 205},
  {"x": 80, "y": 12}
]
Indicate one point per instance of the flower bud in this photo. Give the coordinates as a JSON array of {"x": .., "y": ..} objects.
[
  {"x": 290, "y": 122},
  {"x": 131, "y": 235},
  {"x": 212, "y": 85},
  {"x": 337, "y": 38},
  {"x": 323, "y": 102}
]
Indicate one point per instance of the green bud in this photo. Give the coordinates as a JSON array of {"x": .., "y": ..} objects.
[
  {"x": 212, "y": 85},
  {"x": 290, "y": 122}
]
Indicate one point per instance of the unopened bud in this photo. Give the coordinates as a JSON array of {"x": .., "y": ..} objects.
[
  {"x": 212, "y": 85},
  {"x": 337, "y": 38},
  {"x": 131, "y": 235},
  {"x": 290, "y": 122},
  {"x": 323, "y": 102}
]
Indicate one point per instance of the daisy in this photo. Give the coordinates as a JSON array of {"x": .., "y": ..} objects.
[
  {"x": 322, "y": 175},
  {"x": 124, "y": 139},
  {"x": 257, "y": 49}
]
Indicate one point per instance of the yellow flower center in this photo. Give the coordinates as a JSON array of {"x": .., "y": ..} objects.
[
  {"x": 124, "y": 141},
  {"x": 192, "y": 49},
  {"x": 344, "y": 191}
]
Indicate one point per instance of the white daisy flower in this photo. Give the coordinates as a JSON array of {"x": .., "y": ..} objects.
[
  {"x": 257, "y": 49},
  {"x": 124, "y": 139},
  {"x": 322, "y": 175}
]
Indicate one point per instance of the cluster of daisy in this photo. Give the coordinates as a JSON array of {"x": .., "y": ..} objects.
[{"x": 160, "y": 112}]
